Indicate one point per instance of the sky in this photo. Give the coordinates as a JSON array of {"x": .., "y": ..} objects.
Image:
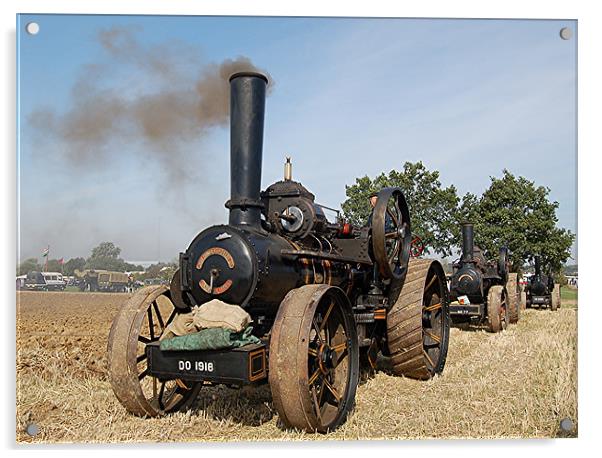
[{"x": 349, "y": 97}]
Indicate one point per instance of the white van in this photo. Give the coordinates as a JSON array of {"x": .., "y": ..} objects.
[{"x": 45, "y": 281}]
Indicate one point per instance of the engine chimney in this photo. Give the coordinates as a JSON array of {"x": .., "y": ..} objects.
[
  {"x": 467, "y": 242},
  {"x": 537, "y": 265},
  {"x": 247, "y": 107}
]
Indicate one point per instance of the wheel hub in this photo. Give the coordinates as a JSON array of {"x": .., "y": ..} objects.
[{"x": 327, "y": 358}]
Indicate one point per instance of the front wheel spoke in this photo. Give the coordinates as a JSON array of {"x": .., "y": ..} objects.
[
  {"x": 339, "y": 347},
  {"x": 391, "y": 235},
  {"x": 341, "y": 358},
  {"x": 171, "y": 317},
  {"x": 161, "y": 392},
  {"x": 158, "y": 313},
  {"x": 144, "y": 339},
  {"x": 312, "y": 351},
  {"x": 151, "y": 325},
  {"x": 317, "y": 329},
  {"x": 314, "y": 377},
  {"x": 316, "y": 403},
  {"x": 143, "y": 374},
  {"x": 325, "y": 319},
  {"x": 141, "y": 358},
  {"x": 333, "y": 390}
]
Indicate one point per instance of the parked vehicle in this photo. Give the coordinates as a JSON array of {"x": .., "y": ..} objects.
[
  {"x": 102, "y": 280},
  {"x": 44, "y": 281}
]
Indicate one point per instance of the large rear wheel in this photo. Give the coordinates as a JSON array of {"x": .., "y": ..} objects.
[
  {"x": 418, "y": 322},
  {"x": 314, "y": 359},
  {"x": 142, "y": 320}
]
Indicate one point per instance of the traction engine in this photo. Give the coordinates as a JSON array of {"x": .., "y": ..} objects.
[{"x": 323, "y": 296}]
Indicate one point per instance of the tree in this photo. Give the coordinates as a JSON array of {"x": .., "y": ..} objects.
[
  {"x": 516, "y": 213},
  {"x": 106, "y": 256},
  {"x": 72, "y": 264},
  {"x": 28, "y": 265},
  {"x": 432, "y": 208},
  {"x": 106, "y": 250},
  {"x": 53, "y": 265}
]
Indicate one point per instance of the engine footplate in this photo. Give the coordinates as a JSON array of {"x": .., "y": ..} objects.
[{"x": 239, "y": 366}]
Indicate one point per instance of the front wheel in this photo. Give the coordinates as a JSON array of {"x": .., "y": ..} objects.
[
  {"x": 141, "y": 321},
  {"x": 314, "y": 359},
  {"x": 497, "y": 309}
]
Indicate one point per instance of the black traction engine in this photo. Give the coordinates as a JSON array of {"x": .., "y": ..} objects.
[
  {"x": 478, "y": 286},
  {"x": 323, "y": 296}
]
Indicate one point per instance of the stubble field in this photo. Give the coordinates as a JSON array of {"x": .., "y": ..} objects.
[{"x": 519, "y": 383}]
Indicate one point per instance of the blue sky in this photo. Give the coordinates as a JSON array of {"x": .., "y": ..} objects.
[{"x": 351, "y": 97}]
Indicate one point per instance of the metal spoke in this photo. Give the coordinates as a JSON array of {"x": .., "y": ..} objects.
[
  {"x": 428, "y": 358},
  {"x": 393, "y": 217},
  {"x": 314, "y": 376},
  {"x": 430, "y": 283},
  {"x": 341, "y": 358},
  {"x": 161, "y": 391},
  {"x": 430, "y": 308},
  {"x": 158, "y": 313},
  {"x": 151, "y": 325},
  {"x": 143, "y": 374},
  {"x": 325, "y": 319},
  {"x": 317, "y": 329},
  {"x": 391, "y": 235},
  {"x": 398, "y": 211},
  {"x": 333, "y": 390},
  {"x": 321, "y": 392},
  {"x": 339, "y": 347},
  {"x": 312, "y": 352},
  {"x": 435, "y": 337},
  {"x": 144, "y": 339},
  {"x": 141, "y": 358},
  {"x": 316, "y": 403},
  {"x": 171, "y": 317}
]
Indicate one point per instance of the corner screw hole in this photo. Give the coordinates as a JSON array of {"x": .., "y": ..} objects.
[
  {"x": 32, "y": 429},
  {"x": 566, "y": 33},
  {"x": 566, "y": 424},
  {"x": 32, "y": 28}
]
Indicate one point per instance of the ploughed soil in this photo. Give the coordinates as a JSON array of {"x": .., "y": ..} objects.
[{"x": 519, "y": 383}]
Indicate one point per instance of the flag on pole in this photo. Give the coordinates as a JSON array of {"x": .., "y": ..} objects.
[
  {"x": 61, "y": 261},
  {"x": 45, "y": 252}
]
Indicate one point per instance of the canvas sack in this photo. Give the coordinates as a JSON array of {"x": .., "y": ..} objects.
[{"x": 219, "y": 314}]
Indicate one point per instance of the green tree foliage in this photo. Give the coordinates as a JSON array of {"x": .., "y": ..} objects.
[
  {"x": 515, "y": 212},
  {"x": 432, "y": 207},
  {"x": 106, "y": 250},
  {"x": 106, "y": 256},
  {"x": 72, "y": 264},
  {"x": 162, "y": 270},
  {"x": 27, "y": 266}
]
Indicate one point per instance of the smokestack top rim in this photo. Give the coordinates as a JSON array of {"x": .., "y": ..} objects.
[
  {"x": 254, "y": 74},
  {"x": 467, "y": 223}
]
